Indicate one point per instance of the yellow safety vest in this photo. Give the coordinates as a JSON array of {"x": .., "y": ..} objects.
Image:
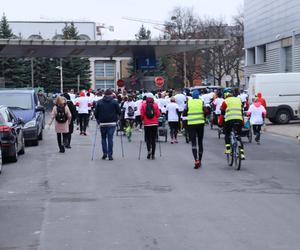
[
  {"x": 195, "y": 112},
  {"x": 234, "y": 109}
]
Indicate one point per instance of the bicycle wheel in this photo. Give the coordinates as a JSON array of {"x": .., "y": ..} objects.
[{"x": 238, "y": 159}]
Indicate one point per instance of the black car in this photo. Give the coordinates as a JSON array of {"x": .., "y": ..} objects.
[
  {"x": 11, "y": 136},
  {"x": 25, "y": 104}
]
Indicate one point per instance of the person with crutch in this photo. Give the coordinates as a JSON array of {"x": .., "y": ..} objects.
[
  {"x": 149, "y": 115},
  {"x": 106, "y": 114},
  {"x": 195, "y": 111}
]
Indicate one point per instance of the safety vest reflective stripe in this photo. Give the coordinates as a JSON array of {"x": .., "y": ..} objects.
[
  {"x": 196, "y": 119},
  {"x": 234, "y": 109},
  {"x": 195, "y": 112},
  {"x": 199, "y": 113}
]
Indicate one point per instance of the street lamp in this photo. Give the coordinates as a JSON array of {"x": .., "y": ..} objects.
[{"x": 61, "y": 75}]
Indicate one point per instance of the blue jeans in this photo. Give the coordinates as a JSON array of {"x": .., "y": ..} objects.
[{"x": 107, "y": 134}]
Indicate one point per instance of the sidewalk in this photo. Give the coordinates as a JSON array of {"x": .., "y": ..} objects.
[{"x": 290, "y": 130}]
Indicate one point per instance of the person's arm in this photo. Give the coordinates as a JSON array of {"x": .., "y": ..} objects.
[
  {"x": 53, "y": 114},
  {"x": 69, "y": 114}
]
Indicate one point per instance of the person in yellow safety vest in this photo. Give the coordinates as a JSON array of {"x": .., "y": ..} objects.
[
  {"x": 232, "y": 110},
  {"x": 195, "y": 112}
]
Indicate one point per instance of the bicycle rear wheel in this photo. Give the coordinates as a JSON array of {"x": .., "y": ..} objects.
[{"x": 238, "y": 159}]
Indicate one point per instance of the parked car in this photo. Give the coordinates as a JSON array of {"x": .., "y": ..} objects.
[
  {"x": 25, "y": 105},
  {"x": 11, "y": 136},
  {"x": 281, "y": 92}
]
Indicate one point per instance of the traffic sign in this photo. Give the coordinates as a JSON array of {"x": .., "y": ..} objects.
[
  {"x": 121, "y": 83},
  {"x": 159, "y": 81}
]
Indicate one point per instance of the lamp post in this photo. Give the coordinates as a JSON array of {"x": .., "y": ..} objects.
[{"x": 61, "y": 76}]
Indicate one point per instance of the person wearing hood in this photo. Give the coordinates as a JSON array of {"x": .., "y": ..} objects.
[
  {"x": 106, "y": 113},
  {"x": 257, "y": 114},
  {"x": 149, "y": 115},
  {"x": 261, "y": 100},
  {"x": 195, "y": 110}
]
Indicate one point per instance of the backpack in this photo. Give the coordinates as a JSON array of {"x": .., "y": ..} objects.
[
  {"x": 149, "y": 111},
  {"x": 61, "y": 116},
  {"x": 130, "y": 111}
]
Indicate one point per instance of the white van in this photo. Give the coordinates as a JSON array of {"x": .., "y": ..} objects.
[{"x": 281, "y": 92}]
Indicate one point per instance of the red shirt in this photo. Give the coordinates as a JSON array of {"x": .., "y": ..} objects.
[{"x": 145, "y": 119}]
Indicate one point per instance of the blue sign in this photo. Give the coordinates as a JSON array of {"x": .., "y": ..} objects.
[{"x": 146, "y": 63}]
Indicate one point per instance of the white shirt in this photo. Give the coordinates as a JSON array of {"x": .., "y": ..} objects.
[
  {"x": 206, "y": 98},
  {"x": 256, "y": 117},
  {"x": 162, "y": 104},
  {"x": 126, "y": 106},
  {"x": 218, "y": 103},
  {"x": 83, "y": 107},
  {"x": 180, "y": 100},
  {"x": 172, "y": 112},
  {"x": 138, "y": 105},
  {"x": 243, "y": 97}
]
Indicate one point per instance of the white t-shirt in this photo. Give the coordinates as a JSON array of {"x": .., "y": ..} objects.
[
  {"x": 172, "y": 112},
  {"x": 180, "y": 100},
  {"x": 138, "y": 105},
  {"x": 256, "y": 117},
  {"x": 243, "y": 97},
  {"x": 83, "y": 107},
  {"x": 206, "y": 98},
  {"x": 162, "y": 104},
  {"x": 218, "y": 103},
  {"x": 126, "y": 107}
]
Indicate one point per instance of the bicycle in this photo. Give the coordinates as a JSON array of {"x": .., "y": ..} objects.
[{"x": 235, "y": 148}]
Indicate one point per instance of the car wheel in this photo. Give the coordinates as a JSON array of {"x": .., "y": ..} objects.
[
  {"x": 22, "y": 151},
  {"x": 283, "y": 116},
  {"x": 40, "y": 137},
  {"x": 15, "y": 157},
  {"x": 35, "y": 143}
]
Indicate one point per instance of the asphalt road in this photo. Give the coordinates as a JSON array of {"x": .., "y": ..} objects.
[{"x": 52, "y": 201}]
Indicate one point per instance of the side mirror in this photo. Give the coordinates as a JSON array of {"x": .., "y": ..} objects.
[
  {"x": 40, "y": 109},
  {"x": 20, "y": 121}
]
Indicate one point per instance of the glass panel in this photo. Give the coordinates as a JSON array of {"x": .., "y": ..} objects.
[{"x": 21, "y": 101}]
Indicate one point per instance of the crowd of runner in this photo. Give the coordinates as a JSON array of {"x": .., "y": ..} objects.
[{"x": 186, "y": 112}]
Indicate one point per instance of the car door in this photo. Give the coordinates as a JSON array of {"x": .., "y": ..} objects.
[
  {"x": 39, "y": 114},
  {"x": 17, "y": 126},
  {"x": 12, "y": 122}
]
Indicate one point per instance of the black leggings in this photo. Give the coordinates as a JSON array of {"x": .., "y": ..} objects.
[
  {"x": 150, "y": 137},
  {"x": 228, "y": 126},
  {"x": 196, "y": 132},
  {"x": 173, "y": 129},
  {"x": 83, "y": 121},
  {"x": 256, "y": 131},
  {"x": 65, "y": 139}
]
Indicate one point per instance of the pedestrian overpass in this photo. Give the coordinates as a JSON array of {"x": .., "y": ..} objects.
[{"x": 101, "y": 51}]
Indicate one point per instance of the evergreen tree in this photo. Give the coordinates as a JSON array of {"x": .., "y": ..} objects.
[
  {"x": 143, "y": 34},
  {"x": 70, "y": 32},
  {"x": 5, "y": 31}
]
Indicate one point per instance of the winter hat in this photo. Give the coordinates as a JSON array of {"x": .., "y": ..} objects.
[
  {"x": 82, "y": 94},
  {"x": 259, "y": 94},
  {"x": 195, "y": 94}
]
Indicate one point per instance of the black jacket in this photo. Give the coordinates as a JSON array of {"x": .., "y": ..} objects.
[{"x": 107, "y": 110}]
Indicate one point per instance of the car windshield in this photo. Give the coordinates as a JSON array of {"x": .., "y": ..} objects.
[{"x": 16, "y": 100}]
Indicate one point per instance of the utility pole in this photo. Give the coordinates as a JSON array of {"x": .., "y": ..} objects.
[
  {"x": 61, "y": 76},
  {"x": 78, "y": 83},
  {"x": 184, "y": 70},
  {"x": 32, "y": 72}
]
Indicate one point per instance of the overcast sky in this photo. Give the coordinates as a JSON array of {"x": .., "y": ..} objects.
[{"x": 111, "y": 12}]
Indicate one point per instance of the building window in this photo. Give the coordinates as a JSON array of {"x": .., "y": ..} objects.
[
  {"x": 105, "y": 84},
  {"x": 105, "y": 74},
  {"x": 288, "y": 63},
  {"x": 261, "y": 54},
  {"x": 250, "y": 55}
]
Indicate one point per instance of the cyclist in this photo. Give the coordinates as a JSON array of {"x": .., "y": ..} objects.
[{"x": 232, "y": 112}]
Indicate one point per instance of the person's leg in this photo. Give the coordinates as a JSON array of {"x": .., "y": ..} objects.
[
  {"x": 192, "y": 133},
  {"x": 65, "y": 139},
  {"x": 227, "y": 132},
  {"x": 103, "y": 131},
  {"x": 153, "y": 140},
  {"x": 80, "y": 116},
  {"x": 110, "y": 135},
  {"x": 258, "y": 129},
  {"x": 171, "y": 125},
  {"x": 147, "y": 139},
  {"x": 85, "y": 123},
  {"x": 61, "y": 147},
  {"x": 176, "y": 127},
  {"x": 200, "y": 134}
]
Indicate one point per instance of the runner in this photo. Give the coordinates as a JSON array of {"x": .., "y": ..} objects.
[
  {"x": 129, "y": 108},
  {"x": 196, "y": 120},
  {"x": 173, "y": 119}
]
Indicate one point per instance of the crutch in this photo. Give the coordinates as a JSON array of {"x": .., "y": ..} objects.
[
  {"x": 94, "y": 142},
  {"x": 122, "y": 144},
  {"x": 159, "y": 147}
]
